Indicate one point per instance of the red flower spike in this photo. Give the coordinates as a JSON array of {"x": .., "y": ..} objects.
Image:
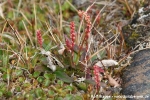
[
  {"x": 80, "y": 13},
  {"x": 68, "y": 44},
  {"x": 97, "y": 71},
  {"x": 101, "y": 70},
  {"x": 88, "y": 27},
  {"x": 72, "y": 32},
  {"x": 96, "y": 75},
  {"x": 39, "y": 38}
]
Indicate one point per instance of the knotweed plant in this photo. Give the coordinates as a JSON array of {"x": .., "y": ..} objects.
[
  {"x": 46, "y": 49},
  {"x": 79, "y": 48}
]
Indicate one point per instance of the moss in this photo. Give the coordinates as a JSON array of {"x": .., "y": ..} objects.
[{"x": 134, "y": 36}]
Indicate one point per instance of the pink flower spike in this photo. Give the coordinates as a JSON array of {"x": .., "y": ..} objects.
[
  {"x": 80, "y": 13},
  {"x": 101, "y": 70},
  {"x": 96, "y": 75},
  {"x": 39, "y": 38},
  {"x": 68, "y": 44},
  {"x": 72, "y": 32}
]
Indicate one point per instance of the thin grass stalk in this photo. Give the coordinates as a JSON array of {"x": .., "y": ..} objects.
[
  {"x": 102, "y": 48},
  {"x": 28, "y": 34}
]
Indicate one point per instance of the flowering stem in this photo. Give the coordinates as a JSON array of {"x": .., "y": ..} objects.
[
  {"x": 39, "y": 38},
  {"x": 81, "y": 46}
]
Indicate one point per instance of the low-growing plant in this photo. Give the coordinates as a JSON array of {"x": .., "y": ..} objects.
[{"x": 51, "y": 49}]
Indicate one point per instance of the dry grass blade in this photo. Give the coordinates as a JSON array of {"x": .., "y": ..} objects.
[
  {"x": 25, "y": 18},
  {"x": 103, "y": 48},
  {"x": 28, "y": 34},
  {"x": 15, "y": 32},
  {"x": 3, "y": 31},
  {"x": 50, "y": 30},
  {"x": 1, "y": 10},
  {"x": 60, "y": 16}
]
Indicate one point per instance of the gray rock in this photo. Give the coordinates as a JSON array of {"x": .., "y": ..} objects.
[
  {"x": 79, "y": 2},
  {"x": 136, "y": 77}
]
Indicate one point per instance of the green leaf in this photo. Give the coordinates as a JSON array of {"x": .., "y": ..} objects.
[
  {"x": 70, "y": 88},
  {"x": 60, "y": 83},
  {"x": 8, "y": 94},
  {"x": 20, "y": 25},
  {"x": 1, "y": 93},
  {"x": 18, "y": 72},
  {"x": 3, "y": 69},
  {"x": 51, "y": 93},
  {"x": 39, "y": 92},
  {"x": 69, "y": 97},
  {"x": 5, "y": 76},
  {"x": 59, "y": 98},
  {"x": 5, "y": 59},
  {"x": 63, "y": 76},
  {"x": 29, "y": 96},
  {"x": 76, "y": 58},
  {"x": 3, "y": 87},
  {"x": 46, "y": 82},
  {"x": 90, "y": 81},
  {"x": 47, "y": 46},
  {"x": 47, "y": 75},
  {"x": 82, "y": 86},
  {"x": 36, "y": 74},
  {"x": 26, "y": 85},
  {"x": 102, "y": 53},
  {"x": 93, "y": 58},
  {"x": 65, "y": 6},
  {"x": 78, "y": 98},
  {"x": 21, "y": 79},
  {"x": 10, "y": 15},
  {"x": 40, "y": 79},
  {"x": 18, "y": 88}
]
